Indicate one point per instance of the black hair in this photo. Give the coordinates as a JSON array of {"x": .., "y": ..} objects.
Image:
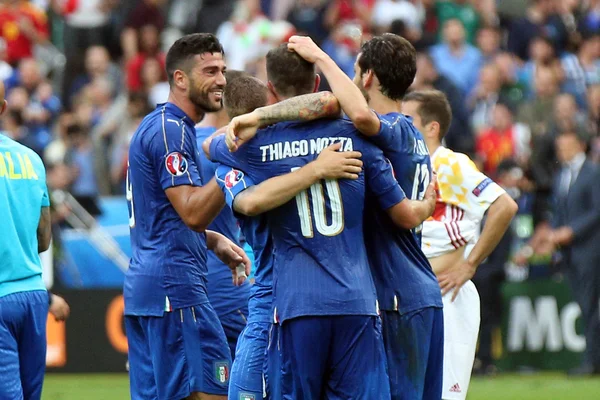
[
  {"x": 290, "y": 74},
  {"x": 186, "y": 48},
  {"x": 393, "y": 60}
]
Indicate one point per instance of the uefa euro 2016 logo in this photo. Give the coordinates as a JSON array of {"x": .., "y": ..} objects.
[
  {"x": 176, "y": 164},
  {"x": 233, "y": 177}
]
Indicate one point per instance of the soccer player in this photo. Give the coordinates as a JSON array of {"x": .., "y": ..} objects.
[
  {"x": 324, "y": 299},
  {"x": 450, "y": 236},
  {"x": 249, "y": 378},
  {"x": 407, "y": 289},
  {"x": 25, "y": 232},
  {"x": 229, "y": 302},
  {"x": 177, "y": 347}
]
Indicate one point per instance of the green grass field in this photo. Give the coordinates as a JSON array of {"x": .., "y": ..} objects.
[{"x": 502, "y": 387}]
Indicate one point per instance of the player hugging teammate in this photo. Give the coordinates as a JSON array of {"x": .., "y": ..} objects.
[{"x": 345, "y": 303}]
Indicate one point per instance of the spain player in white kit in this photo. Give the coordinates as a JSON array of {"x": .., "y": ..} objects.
[{"x": 451, "y": 237}]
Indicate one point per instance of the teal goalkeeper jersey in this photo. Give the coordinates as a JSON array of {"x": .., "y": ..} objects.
[{"x": 23, "y": 193}]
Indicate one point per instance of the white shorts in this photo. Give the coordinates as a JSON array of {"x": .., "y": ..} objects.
[{"x": 461, "y": 328}]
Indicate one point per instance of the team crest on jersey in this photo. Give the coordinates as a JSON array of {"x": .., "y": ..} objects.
[
  {"x": 247, "y": 396},
  {"x": 232, "y": 178},
  {"x": 222, "y": 372},
  {"x": 176, "y": 164}
]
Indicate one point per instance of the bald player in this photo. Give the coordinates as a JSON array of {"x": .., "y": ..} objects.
[
  {"x": 451, "y": 239},
  {"x": 24, "y": 301}
]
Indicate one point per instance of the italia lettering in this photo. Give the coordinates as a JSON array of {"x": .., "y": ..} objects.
[
  {"x": 21, "y": 168},
  {"x": 300, "y": 148}
]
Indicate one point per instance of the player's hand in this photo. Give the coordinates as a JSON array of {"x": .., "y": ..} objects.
[
  {"x": 455, "y": 277},
  {"x": 306, "y": 48},
  {"x": 335, "y": 164},
  {"x": 59, "y": 308},
  {"x": 431, "y": 194},
  {"x": 241, "y": 129},
  {"x": 232, "y": 255}
]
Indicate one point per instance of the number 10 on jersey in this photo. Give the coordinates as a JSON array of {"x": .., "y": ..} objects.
[{"x": 317, "y": 194}]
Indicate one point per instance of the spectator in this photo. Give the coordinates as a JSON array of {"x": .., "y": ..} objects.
[
  {"x": 538, "y": 115},
  {"x": 308, "y": 16},
  {"x": 582, "y": 69},
  {"x": 23, "y": 25},
  {"x": 541, "y": 55},
  {"x": 484, "y": 97},
  {"x": 575, "y": 232},
  {"x": 343, "y": 46},
  {"x": 540, "y": 20},
  {"x": 462, "y": 10},
  {"x": 593, "y": 125},
  {"x": 589, "y": 21},
  {"x": 79, "y": 158},
  {"x": 459, "y": 135},
  {"x": 567, "y": 116},
  {"x": 97, "y": 66},
  {"x": 386, "y": 11},
  {"x": 149, "y": 49},
  {"x": 147, "y": 13},
  {"x": 359, "y": 11},
  {"x": 154, "y": 82},
  {"x": 488, "y": 42},
  {"x": 6, "y": 71},
  {"x": 512, "y": 90},
  {"x": 502, "y": 140},
  {"x": 455, "y": 58}
]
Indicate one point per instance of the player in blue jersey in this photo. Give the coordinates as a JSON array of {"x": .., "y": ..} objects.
[
  {"x": 230, "y": 302},
  {"x": 241, "y": 96},
  {"x": 408, "y": 291},
  {"x": 177, "y": 347},
  {"x": 323, "y": 287}
]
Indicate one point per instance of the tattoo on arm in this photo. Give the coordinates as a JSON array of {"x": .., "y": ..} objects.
[{"x": 307, "y": 107}]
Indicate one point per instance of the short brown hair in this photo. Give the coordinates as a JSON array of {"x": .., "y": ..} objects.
[
  {"x": 243, "y": 93},
  {"x": 290, "y": 74},
  {"x": 433, "y": 106}
]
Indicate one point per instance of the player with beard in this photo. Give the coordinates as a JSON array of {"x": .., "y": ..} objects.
[{"x": 177, "y": 347}]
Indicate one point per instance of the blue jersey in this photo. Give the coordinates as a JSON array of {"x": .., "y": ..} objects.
[
  {"x": 168, "y": 266},
  {"x": 23, "y": 193},
  {"x": 256, "y": 232},
  {"x": 321, "y": 265},
  {"x": 223, "y": 295},
  {"x": 403, "y": 276}
]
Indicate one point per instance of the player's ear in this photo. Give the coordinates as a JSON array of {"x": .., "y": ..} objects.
[
  {"x": 272, "y": 96},
  {"x": 369, "y": 78},
  {"x": 180, "y": 79},
  {"x": 317, "y": 83},
  {"x": 4, "y": 105}
]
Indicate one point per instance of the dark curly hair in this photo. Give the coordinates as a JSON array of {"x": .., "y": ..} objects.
[
  {"x": 181, "y": 54},
  {"x": 393, "y": 60}
]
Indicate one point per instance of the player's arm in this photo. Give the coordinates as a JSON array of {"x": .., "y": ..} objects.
[
  {"x": 197, "y": 205},
  {"x": 44, "y": 230},
  {"x": 499, "y": 216},
  {"x": 174, "y": 163},
  {"x": 350, "y": 97},
  {"x": 208, "y": 140},
  {"x": 307, "y": 107},
  {"x": 231, "y": 254},
  {"x": 408, "y": 214},
  {"x": 276, "y": 191}
]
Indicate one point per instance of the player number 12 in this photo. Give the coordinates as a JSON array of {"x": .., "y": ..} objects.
[
  {"x": 319, "y": 209},
  {"x": 421, "y": 181}
]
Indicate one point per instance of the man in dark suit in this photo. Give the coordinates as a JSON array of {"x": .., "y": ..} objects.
[{"x": 576, "y": 232}]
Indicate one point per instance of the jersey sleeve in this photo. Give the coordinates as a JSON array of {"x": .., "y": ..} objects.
[
  {"x": 388, "y": 138},
  {"x": 379, "y": 177},
  {"x": 232, "y": 182},
  {"x": 172, "y": 154},
  {"x": 460, "y": 183},
  {"x": 244, "y": 159}
]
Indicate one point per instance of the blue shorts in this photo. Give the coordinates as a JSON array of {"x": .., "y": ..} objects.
[
  {"x": 23, "y": 318},
  {"x": 249, "y": 367},
  {"x": 337, "y": 357},
  {"x": 414, "y": 344},
  {"x": 182, "y": 352},
  {"x": 233, "y": 324}
]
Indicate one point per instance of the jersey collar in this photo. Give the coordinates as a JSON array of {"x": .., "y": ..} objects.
[{"x": 176, "y": 111}]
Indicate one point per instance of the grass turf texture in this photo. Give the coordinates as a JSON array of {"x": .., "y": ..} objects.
[{"x": 546, "y": 386}]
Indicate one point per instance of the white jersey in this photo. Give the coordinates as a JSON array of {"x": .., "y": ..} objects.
[{"x": 464, "y": 195}]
